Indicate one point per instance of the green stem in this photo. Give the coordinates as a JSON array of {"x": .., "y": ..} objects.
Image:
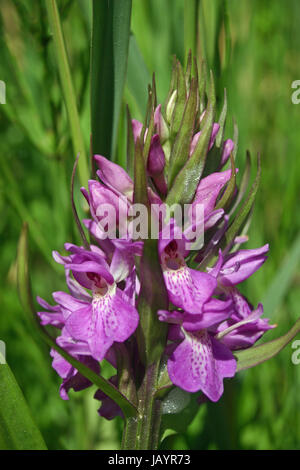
[
  {"x": 68, "y": 89},
  {"x": 143, "y": 432}
]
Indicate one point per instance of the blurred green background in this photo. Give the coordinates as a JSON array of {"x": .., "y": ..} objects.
[{"x": 261, "y": 407}]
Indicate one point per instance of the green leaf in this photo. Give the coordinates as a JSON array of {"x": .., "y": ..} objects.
[
  {"x": 138, "y": 76},
  {"x": 214, "y": 155},
  {"x": 181, "y": 147},
  {"x": 180, "y": 100},
  {"x": 17, "y": 428},
  {"x": 222, "y": 122},
  {"x": 282, "y": 280},
  {"x": 176, "y": 400},
  {"x": 187, "y": 180},
  {"x": 130, "y": 147},
  {"x": 258, "y": 354},
  {"x": 243, "y": 213},
  {"x": 140, "y": 177},
  {"x": 190, "y": 27},
  {"x": 244, "y": 184},
  {"x": 149, "y": 135},
  {"x": 25, "y": 294},
  {"x": 182, "y": 410},
  {"x": 229, "y": 192},
  {"x": 68, "y": 89},
  {"x": 110, "y": 40},
  {"x": 228, "y": 47}
]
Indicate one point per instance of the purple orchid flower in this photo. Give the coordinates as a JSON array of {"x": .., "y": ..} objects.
[
  {"x": 187, "y": 288},
  {"x": 198, "y": 361},
  {"x": 206, "y": 317},
  {"x": 201, "y": 356},
  {"x": 238, "y": 266},
  {"x": 245, "y": 326},
  {"x": 109, "y": 316},
  {"x": 209, "y": 189}
]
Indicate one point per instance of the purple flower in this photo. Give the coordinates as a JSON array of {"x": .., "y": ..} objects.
[
  {"x": 187, "y": 288},
  {"x": 228, "y": 147},
  {"x": 207, "y": 317},
  {"x": 245, "y": 326},
  {"x": 238, "y": 266},
  {"x": 114, "y": 177},
  {"x": 199, "y": 361},
  {"x": 109, "y": 316},
  {"x": 71, "y": 377},
  {"x": 205, "y": 332},
  {"x": 156, "y": 163},
  {"x": 201, "y": 356},
  {"x": 213, "y": 136},
  {"x": 108, "y": 409},
  {"x": 209, "y": 189},
  {"x": 57, "y": 316}
]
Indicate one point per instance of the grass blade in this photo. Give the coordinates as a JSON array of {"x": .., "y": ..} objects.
[
  {"x": 110, "y": 41},
  {"x": 283, "y": 278},
  {"x": 258, "y": 354},
  {"x": 17, "y": 428},
  {"x": 68, "y": 89}
]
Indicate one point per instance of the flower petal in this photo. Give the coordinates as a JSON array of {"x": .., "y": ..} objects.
[
  {"x": 201, "y": 363},
  {"x": 189, "y": 289},
  {"x": 114, "y": 176}
]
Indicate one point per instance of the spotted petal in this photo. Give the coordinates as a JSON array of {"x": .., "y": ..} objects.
[
  {"x": 201, "y": 363},
  {"x": 189, "y": 289},
  {"x": 109, "y": 318}
]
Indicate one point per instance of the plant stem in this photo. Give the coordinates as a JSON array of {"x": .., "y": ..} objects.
[{"x": 142, "y": 432}]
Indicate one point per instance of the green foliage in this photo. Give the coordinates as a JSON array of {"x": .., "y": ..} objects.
[
  {"x": 110, "y": 40},
  {"x": 17, "y": 429}
]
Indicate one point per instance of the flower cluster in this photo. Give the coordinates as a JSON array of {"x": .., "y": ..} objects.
[{"x": 207, "y": 318}]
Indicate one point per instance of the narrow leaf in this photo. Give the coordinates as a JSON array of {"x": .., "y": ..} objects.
[
  {"x": 242, "y": 215},
  {"x": 181, "y": 147},
  {"x": 221, "y": 122},
  {"x": 282, "y": 280},
  {"x": 244, "y": 183},
  {"x": 74, "y": 210},
  {"x": 187, "y": 180},
  {"x": 130, "y": 145},
  {"x": 258, "y": 354},
  {"x": 180, "y": 100},
  {"x": 140, "y": 177},
  {"x": 190, "y": 27},
  {"x": 138, "y": 76},
  {"x": 229, "y": 192},
  {"x": 17, "y": 428},
  {"x": 110, "y": 41},
  {"x": 68, "y": 89}
]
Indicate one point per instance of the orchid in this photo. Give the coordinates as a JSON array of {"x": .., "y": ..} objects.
[{"x": 164, "y": 312}]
